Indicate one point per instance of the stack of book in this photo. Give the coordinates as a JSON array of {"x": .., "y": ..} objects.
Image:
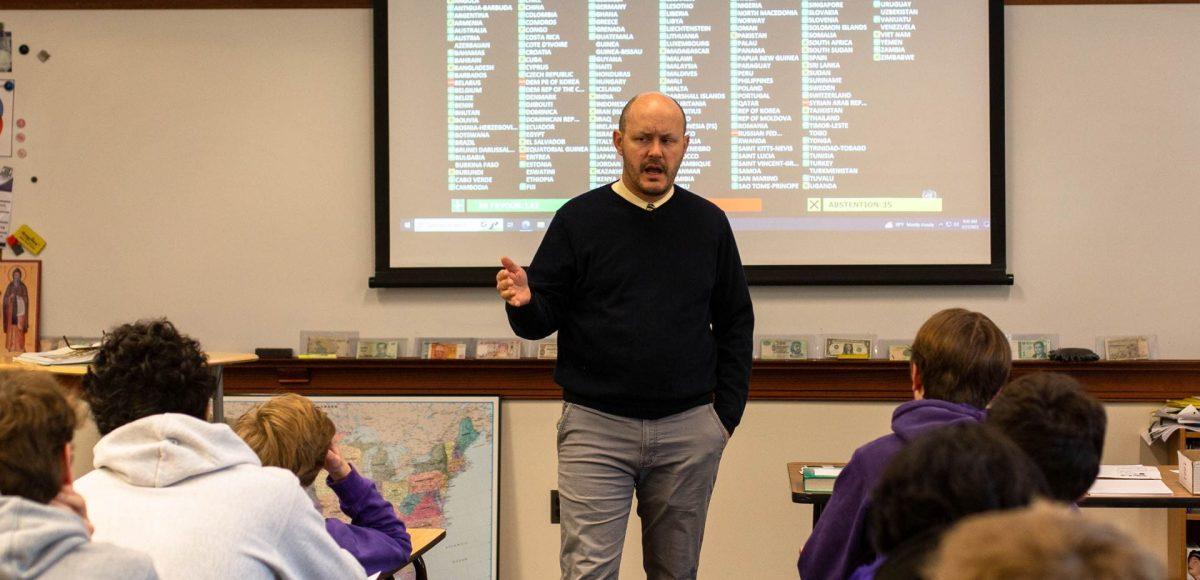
[
  {"x": 1175, "y": 415},
  {"x": 67, "y": 355},
  {"x": 820, "y": 479}
]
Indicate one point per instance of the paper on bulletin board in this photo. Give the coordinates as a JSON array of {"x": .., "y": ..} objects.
[
  {"x": 5, "y": 49},
  {"x": 6, "y": 119},
  {"x": 6, "y": 203},
  {"x": 6, "y": 200}
]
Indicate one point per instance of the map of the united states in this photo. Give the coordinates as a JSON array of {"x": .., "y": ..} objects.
[{"x": 432, "y": 458}]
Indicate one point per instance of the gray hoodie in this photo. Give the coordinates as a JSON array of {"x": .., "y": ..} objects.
[
  {"x": 39, "y": 541},
  {"x": 195, "y": 497}
]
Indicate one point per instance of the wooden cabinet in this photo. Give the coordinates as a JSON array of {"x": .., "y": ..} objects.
[{"x": 1183, "y": 527}]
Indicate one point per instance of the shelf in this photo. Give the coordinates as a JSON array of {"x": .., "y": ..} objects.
[{"x": 813, "y": 380}]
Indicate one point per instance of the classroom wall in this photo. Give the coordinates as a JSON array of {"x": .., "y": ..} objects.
[{"x": 216, "y": 167}]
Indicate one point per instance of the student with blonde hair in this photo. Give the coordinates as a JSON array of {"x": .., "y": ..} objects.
[
  {"x": 289, "y": 431},
  {"x": 1043, "y": 541}
]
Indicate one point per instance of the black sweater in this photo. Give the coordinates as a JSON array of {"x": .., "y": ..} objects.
[{"x": 651, "y": 307}]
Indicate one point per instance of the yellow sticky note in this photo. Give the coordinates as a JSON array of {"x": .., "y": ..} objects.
[{"x": 30, "y": 239}]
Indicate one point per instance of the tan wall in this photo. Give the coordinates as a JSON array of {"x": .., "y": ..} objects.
[{"x": 216, "y": 167}]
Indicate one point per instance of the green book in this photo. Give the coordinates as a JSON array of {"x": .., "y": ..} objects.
[{"x": 820, "y": 479}]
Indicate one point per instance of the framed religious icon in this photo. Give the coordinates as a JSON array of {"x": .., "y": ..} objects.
[{"x": 22, "y": 307}]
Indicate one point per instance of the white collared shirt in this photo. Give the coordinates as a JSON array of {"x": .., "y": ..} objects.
[{"x": 624, "y": 192}]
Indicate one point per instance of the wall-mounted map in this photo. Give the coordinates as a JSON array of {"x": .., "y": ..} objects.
[{"x": 434, "y": 458}]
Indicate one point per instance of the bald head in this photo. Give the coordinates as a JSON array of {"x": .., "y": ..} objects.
[{"x": 650, "y": 98}]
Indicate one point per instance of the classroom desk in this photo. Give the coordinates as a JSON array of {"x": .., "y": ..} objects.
[
  {"x": 796, "y": 484},
  {"x": 422, "y": 540},
  {"x": 1179, "y": 499},
  {"x": 216, "y": 361}
]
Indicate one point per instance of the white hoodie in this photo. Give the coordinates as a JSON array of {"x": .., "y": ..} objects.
[
  {"x": 194, "y": 497},
  {"x": 47, "y": 543}
]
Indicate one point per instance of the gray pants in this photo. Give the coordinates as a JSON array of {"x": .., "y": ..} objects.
[{"x": 671, "y": 463}]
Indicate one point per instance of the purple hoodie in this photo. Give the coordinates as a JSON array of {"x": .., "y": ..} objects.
[
  {"x": 839, "y": 543},
  {"x": 375, "y": 536}
]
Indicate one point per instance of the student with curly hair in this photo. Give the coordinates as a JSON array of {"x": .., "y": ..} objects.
[
  {"x": 44, "y": 527},
  {"x": 289, "y": 431},
  {"x": 189, "y": 493}
]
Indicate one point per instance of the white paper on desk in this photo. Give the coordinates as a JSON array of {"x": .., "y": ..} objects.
[
  {"x": 1129, "y": 487},
  {"x": 1129, "y": 472}
]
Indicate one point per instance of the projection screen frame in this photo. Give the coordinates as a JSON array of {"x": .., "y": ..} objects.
[{"x": 994, "y": 274}]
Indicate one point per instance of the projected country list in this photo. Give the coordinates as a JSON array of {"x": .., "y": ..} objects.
[
  {"x": 894, "y": 25},
  {"x": 613, "y": 57},
  {"x": 685, "y": 41},
  {"x": 472, "y": 146},
  {"x": 824, "y": 51},
  {"x": 762, "y": 154},
  {"x": 540, "y": 92}
]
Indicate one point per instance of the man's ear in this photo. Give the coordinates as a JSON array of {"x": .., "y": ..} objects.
[{"x": 918, "y": 388}]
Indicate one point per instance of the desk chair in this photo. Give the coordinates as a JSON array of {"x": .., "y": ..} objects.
[{"x": 422, "y": 540}]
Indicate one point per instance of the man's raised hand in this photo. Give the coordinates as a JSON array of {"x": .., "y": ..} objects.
[{"x": 512, "y": 283}]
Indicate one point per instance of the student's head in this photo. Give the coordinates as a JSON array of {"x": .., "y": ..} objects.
[
  {"x": 960, "y": 356},
  {"x": 1058, "y": 425},
  {"x": 37, "y": 422},
  {"x": 143, "y": 369},
  {"x": 289, "y": 432},
  {"x": 945, "y": 475},
  {"x": 1043, "y": 541},
  {"x": 1193, "y": 563}
]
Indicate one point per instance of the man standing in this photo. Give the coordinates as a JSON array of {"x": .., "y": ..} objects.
[{"x": 643, "y": 282}]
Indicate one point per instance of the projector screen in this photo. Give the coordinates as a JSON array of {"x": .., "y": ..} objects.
[{"x": 849, "y": 142}]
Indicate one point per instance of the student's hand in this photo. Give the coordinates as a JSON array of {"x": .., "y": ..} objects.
[
  {"x": 513, "y": 284},
  {"x": 337, "y": 467},
  {"x": 70, "y": 501}
]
